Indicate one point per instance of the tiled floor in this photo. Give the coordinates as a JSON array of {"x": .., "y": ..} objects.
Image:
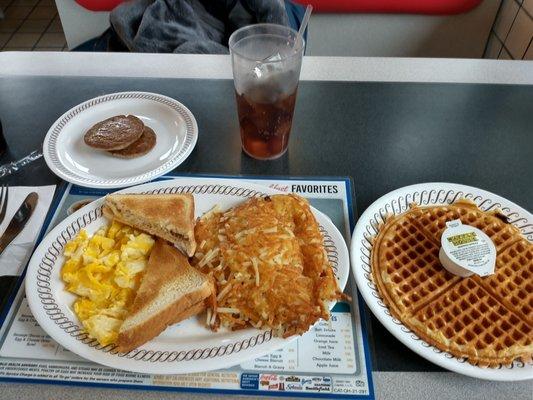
[
  {"x": 31, "y": 25},
  {"x": 511, "y": 37}
]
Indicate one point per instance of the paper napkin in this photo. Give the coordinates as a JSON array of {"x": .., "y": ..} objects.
[{"x": 17, "y": 254}]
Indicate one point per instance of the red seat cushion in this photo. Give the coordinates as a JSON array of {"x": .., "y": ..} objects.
[
  {"x": 393, "y": 6},
  {"x": 99, "y": 5},
  {"x": 347, "y": 6}
]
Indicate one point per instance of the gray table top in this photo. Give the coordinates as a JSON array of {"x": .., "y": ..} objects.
[{"x": 383, "y": 134}]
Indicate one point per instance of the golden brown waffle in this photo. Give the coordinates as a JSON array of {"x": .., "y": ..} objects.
[{"x": 488, "y": 321}]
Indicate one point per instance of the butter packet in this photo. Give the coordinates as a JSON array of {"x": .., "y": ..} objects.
[{"x": 466, "y": 250}]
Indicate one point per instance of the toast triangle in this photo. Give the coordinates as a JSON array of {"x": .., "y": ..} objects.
[
  {"x": 170, "y": 291},
  {"x": 168, "y": 216}
]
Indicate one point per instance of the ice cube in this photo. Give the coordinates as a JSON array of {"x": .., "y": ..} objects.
[
  {"x": 267, "y": 65},
  {"x": 274, "y": 57},
  {"x": 259, "y": 71}
]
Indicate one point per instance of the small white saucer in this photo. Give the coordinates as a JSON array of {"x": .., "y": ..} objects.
[{"x": 71, "y": 159}]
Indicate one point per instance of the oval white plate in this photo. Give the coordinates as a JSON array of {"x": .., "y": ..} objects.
[
  {"x": 397, "y": 202},
  {"x": 185, "y": 347},
  {"x": 71, "y": 159}
]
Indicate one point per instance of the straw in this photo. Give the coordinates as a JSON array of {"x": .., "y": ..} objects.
[{"x": 304, "y": 23}]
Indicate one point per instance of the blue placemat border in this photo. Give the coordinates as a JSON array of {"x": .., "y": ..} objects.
[{"x": 74, "y": 189}]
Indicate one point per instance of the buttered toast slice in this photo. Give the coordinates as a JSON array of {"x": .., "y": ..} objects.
[
  {"x": 170, "y": 291},
  {"x": 168, "y": 216}
]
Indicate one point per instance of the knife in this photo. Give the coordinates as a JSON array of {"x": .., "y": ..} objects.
[{"x": 19, "y": 220}]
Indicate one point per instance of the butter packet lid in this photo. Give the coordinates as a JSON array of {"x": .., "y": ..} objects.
[{"x": 466, "y": 250}]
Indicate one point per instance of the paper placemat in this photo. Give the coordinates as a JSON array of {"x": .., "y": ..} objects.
[{"x": 332, "y": 360}]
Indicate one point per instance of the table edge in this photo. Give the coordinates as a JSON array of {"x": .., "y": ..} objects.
[{"x": 195, "y": 66}]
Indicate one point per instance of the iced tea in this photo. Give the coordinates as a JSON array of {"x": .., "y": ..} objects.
[
  {"x": 266, "y": 60},
  {"x": 265, "y": 127}
]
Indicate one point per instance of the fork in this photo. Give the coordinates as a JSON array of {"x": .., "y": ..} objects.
[{"x": 3, "y": 202}]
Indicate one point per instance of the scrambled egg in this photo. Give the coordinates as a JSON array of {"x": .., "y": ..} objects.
[{"x": 105, "y": 271}]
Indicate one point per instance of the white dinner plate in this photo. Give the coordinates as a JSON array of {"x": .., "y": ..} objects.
[
  {"x": 185, "y": 347},
  {"x": 397, "y": 202},
  {"x": 71, "y": 159}
]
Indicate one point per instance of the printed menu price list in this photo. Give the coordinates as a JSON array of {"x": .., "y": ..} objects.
[
  {"x": 26, "y": 339},
  {"x": 327, "y": 348}
]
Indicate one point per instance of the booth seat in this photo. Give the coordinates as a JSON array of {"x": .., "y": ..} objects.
[
  {"x": 440, "y": 7},
  {"x": 436, "y": 7},
  {"x": 99, "y": 5},
  {"x": 386, "y": 28}
]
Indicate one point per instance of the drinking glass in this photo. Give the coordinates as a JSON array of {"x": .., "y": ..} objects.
[{"x": 266, "y": 60}]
